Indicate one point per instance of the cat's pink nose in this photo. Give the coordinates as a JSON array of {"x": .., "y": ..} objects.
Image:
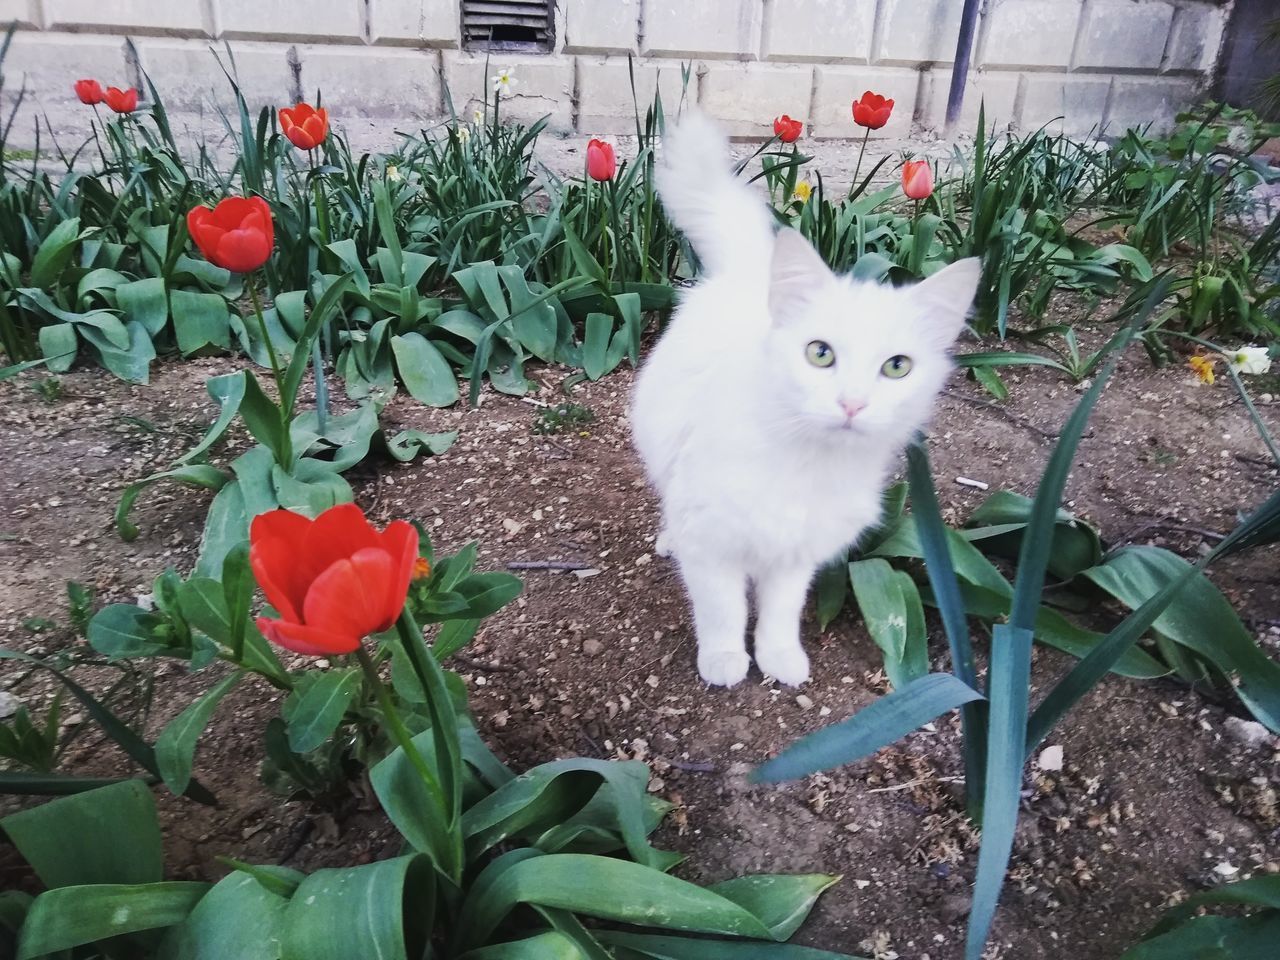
[{"x": 851, "y": 408}]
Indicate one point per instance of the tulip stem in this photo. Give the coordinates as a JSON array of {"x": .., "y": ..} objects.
[
  {"x": 399, "y": 732},
  {"x": 266, "y": 337},
  {"x": 862, "y": 150}
]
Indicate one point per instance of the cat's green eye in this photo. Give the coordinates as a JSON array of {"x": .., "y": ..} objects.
[
  {"x": 819, "y": 353},
  {"x": 895, "y": 368}
]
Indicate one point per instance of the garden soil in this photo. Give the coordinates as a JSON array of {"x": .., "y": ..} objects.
[{"x": 1162, "y": 790}]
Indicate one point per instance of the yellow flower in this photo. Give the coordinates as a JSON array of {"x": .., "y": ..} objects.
[
  {"x": 393, "y": 173},
  {"x": 477, "y": 117},
  {"x": 464, "y": 133},
  {"x": 1202, "y": 367},
  {"x": 804, "y": 190}
]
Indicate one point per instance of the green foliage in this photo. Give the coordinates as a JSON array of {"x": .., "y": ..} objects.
[
  {"x": 565, "y": 416},
  {"x": 1003, "y": 732},
  {"x": 494, "y": 864},
  {"x": 1185, "y": 933}
]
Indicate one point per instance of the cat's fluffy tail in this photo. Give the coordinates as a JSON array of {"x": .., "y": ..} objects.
[{"x": 727, "y": 223}]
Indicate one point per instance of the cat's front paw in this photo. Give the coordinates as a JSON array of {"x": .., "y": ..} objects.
[
  {"x": 722, "y": 668},
  {"x": 663, "y": 545},
  {"x": 788, "y": 665}
]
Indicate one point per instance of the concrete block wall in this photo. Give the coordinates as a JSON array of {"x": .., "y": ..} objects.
[{"x": 1093, "y": 62}]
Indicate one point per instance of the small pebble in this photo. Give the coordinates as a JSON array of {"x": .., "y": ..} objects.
[
  {"x": 1249, "y": 732},
  {"x": 9, "y": 705},
  {"x": 1051, "y": 758}
]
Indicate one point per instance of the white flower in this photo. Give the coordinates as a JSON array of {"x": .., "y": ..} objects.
[
  {"x": 504, "y": 83},
  {"x": 478, "y": 117},
  {"x": 1251, "y": 360},
  {"x": 393, "y": 173}
]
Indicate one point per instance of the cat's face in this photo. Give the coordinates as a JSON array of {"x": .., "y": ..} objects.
[{"x": 861, "y": 357}]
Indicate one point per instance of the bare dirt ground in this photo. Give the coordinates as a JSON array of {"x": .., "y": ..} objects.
[{"x": 1155, "y": 795}]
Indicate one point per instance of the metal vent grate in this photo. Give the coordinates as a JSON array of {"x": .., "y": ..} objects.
[{"x": 527, "y": 25}]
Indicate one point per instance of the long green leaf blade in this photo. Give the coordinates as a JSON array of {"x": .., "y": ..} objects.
[{"x": 875, "y": 726}]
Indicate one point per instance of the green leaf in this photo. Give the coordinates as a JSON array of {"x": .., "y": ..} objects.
[
  {"x": 132, "y": 361},
  {"x": 407, "y": 444},
  {"x": 533, "y": 317},
  {"x": 425, "y": 372},
  {"x": 104, "y": 836},
  {"x": 128, "y": 741},
  {"x": 1214, "y": 938},
  {"x": 453, "y": 636},
  {"x": 1004, "y": 514},
  {"x": 416, "y": 811},
  {"x": 1198, "y": 617},
  {"x": 487, "y": 593},
  {"x": 200, "y": 320},
  {"x": 781, "y": 902},
  {"x": 176, "y": 745},
  {"x": 551, "y": 793},
  {"x": 598, "y": 330},
  {"x": 1008, "y": 686},
  {"x": 26, "y": 783},
  {"x": 264, "y": 420},
  {"x": 238, "y": 919},
  {"x": 874, "y": 726},
  {"x": 320, "y": 315},
  {"x": 312, "y": 488},
  {"x": 618, "y": 890},
  {"x": 317, "y": 705},
  {"x": 58, "y": 345},
  {"x": 341, "y": 914},
  {"x": 894, "y": 617},
  {"x": 1258, "y": 891},
  {"x": 831, "y": 590},
  {"x": 639, "y": 946},
  {"x": 193, "y": 475},
  {"x": 121, "y": 631},
  {"x": 545, "y": 946},
  {"x": 73, "y": 916},
  {"x": 54, "y": 253},
  {"x": 991, "y": 382},
  {"x": 227, "y": 392},
  {"x": 237, "y": 591},
  {"x": 144, "y": 302}
]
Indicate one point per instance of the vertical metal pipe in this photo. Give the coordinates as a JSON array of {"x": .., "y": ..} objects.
[{"x": 960, "y": 69}]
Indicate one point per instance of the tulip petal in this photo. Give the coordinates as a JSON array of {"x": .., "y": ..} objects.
[
  {"x": 242, "y": 251},
  {"x": 306, "y": 640},
  {"x": 273, "y": 554},
  {"x": 349, "y": 598},
  {"x": 400, "y": 541}
]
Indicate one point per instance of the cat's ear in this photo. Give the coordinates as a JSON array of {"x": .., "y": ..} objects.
[
  {"x": 795, "y": 274},
  {"x": 945, "y": 298}
]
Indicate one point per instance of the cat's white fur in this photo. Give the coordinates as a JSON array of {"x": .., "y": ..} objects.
[{"x": 766, "y": 464}]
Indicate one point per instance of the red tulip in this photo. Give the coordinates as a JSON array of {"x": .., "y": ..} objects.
[
  {"x": 872, "y": 111},
  {"x": 90, "y": 92},
  {"x": 121, "y": 101},
  {"x": 237, "y": 234},
  {"x": 305, "y": 126},
  {"x": 787, "y": 130},
  {"x": 335, "y": 580},
  {"x": 917, "y": 179},
  {"x": 601, "y": 163}
]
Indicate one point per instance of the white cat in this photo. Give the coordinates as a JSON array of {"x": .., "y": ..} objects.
[{"x": 771, "y": 413}]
